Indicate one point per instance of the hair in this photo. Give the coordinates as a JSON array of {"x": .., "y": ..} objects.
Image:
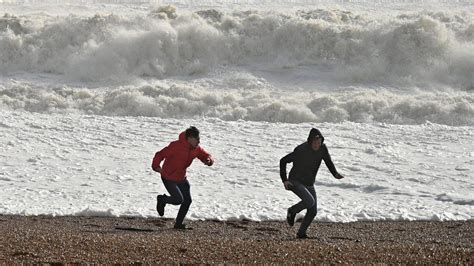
[{"x": 192, "y": 132}]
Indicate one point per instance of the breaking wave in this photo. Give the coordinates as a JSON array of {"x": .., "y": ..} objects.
[
  {"x": 414, "y": 48},
  {"x": 179, "y": 101}
]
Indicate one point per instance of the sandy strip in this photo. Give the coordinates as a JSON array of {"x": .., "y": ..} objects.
[{"x": 43, "y": 239}]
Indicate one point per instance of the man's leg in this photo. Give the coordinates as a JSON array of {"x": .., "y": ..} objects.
[
  {"x": 176, "y": 196},
  {"x": 307, "y": 198},
  {"x": 310, "y": 213},
  {"x": 184, "y": 187}
]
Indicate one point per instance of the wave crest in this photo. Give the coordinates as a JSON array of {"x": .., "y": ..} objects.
[{"x": 420, "y": 48}]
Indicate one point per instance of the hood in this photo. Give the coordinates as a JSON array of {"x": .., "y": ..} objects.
[
  {"x": 313, "y": 133},
  {"x": 182, "y": 136}
]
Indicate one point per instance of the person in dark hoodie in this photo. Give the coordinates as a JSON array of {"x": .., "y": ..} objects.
[
  {"x": 178, "y": 156},
  {"x": 306, "y": 159}
]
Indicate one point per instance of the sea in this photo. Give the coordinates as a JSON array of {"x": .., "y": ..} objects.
[{"x": 91, "y": 89}]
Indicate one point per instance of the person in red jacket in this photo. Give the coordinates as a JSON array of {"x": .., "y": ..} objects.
[{"x": 177, "y": 157}]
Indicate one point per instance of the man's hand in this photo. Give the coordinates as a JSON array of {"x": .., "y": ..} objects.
[
  {"x": 209, "y": 161},
  {"x": 158, "y": 169},
  {"x": 338, "y": 176},
  {"x": 287, "y": 185}
]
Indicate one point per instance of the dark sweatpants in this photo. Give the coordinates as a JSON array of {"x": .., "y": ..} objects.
[
  {"x": 307, "y": 194},
  {"x": 179, "y": 195}
]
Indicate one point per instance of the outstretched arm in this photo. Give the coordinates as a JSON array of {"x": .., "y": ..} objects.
[
  {"x": 330, "y": 164},
  {"x": 205, "y": 157}
]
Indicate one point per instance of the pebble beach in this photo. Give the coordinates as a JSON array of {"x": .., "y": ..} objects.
[{"x": 66, "y": 240}]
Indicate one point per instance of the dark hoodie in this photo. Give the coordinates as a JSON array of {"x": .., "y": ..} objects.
[{"x": 306, "y": 161}]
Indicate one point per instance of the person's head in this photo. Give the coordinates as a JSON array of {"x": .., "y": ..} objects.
[
  {"x": 315, "y": 139},
  {"x": 192, "y": 136},
  {"x": 316, "y": 143}
]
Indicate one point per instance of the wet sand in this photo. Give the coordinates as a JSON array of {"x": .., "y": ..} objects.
[{"x": 45, "y": 239}]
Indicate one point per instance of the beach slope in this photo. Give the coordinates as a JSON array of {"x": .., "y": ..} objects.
[{"x": 46, "y": 239}]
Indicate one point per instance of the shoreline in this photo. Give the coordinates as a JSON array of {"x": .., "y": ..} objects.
[{"x": 68, "y": 239}]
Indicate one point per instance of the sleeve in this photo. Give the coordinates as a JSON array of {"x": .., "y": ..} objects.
[
  {"x": 328, "y": 162},
  {"x": 283, "y": 162},
  {"x": 204, "y": 156},
  {"x": 160, "y": 156}
]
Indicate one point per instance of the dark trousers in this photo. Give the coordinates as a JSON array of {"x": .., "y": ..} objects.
[
  {"x": 179, "y": 195},
  {"x": 307, "y": 194}
]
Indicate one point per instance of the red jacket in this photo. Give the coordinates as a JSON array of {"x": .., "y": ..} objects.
[{"x": 178, "y": 157}]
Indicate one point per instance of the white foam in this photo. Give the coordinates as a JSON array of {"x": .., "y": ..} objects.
[
  {"x": 100, "y": 166},
  {"x": 255, "y": 103},
  {"x": 407, "y": 48},
  {"x": 90, "y": 90},
  {"x": 95, "y": 213}
]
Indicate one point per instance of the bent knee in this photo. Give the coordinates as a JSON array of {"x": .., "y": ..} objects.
[
  {"x": 313, "y": 210},
  {"x": 176, "y": 200},
  {"x": 187, "y": 202},
  {"x": 310, "y": 203}
]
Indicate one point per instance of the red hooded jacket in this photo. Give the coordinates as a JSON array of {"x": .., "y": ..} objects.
[{"x": 178, "y": 157}]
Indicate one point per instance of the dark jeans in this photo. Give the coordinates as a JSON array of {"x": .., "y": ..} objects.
[
  {"x": 307, "y": 194},
  {"x": 179, "y": 195}
]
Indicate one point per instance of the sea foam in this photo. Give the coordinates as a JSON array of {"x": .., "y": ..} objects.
[
  {"x": 252, "y": 103},
  {"x": 414, "y": 48}
]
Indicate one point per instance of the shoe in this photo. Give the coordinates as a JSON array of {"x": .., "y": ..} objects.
[
  {"x": 290, "y": 217},
  {"x": 301, "y": 236},
  {"x": 180, "y": 226},
  {"x": 160, "y": 205}
]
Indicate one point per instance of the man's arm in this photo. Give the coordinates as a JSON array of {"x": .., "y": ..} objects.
[
  {"x": 290, "y": 157},
  {"x": 329, "y": 163},
  {"x": 159, "y": 156},
  {"x": 205, "y": 157}
]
